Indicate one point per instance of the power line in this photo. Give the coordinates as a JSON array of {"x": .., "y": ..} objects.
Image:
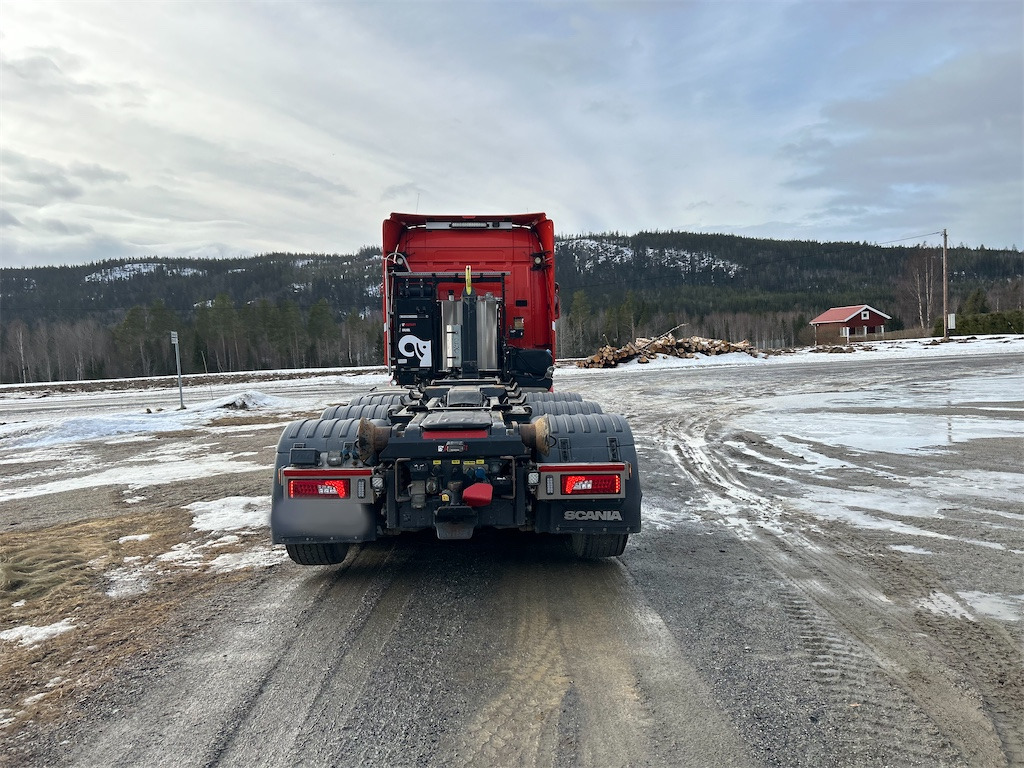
[{"x": 912, "y": 237}]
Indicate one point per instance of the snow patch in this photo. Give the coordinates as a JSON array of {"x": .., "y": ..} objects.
[
  {"x": 140, "y": 427},
  {"x": 263, "y": 557},
  {"x": 26, "y": 635},
  {"x": 128, "y": 271},
  {"x": 942, "y": 604},
  {"x": 173, "y": 466},
  {"x": 231, "y": 513},
  {"x": 131, "y": 439},
  {"x": 910, "y": 549},
  {"x": 664, "y": 519},
  {"x": 51, "y": 456},
  {"x": 127, "y": 582},
  {"x": 183, "y": 554},
  {"x": 244, "y": 514},
  {"x": 1003, "y": 607}
]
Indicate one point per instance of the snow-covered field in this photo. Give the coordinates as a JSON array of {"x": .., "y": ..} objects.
[{"x": 40, "y": 416}]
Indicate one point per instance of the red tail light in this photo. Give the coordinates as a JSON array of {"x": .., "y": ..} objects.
[
  {"x": 335, "y": 489},
  {"x": 577, "y": 485}
]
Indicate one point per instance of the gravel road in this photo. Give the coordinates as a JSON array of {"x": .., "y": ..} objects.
[{"x": 831, "y": 574}]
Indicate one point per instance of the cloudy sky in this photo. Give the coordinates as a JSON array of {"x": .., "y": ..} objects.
[{"x": 234, "y": 128}]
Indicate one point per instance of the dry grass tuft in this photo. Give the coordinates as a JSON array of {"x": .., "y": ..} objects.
[
  {"x": 63, "y": 573},
  {"x": 258, "y": 419}
]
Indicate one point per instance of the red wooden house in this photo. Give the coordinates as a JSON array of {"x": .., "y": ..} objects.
[{"x": 842, "y": 323}]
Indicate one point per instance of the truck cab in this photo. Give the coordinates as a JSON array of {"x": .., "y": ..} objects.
[{"x": 470, "y": 296}]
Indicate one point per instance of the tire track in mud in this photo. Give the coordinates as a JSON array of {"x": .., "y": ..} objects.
[
  {"x": 970, "y": 693},
  {"x": 569, "y": 692},
  {"x": 521, "y": 723},
  {"x": 421, "y": 653},
  {"x": 733, "y": 504},
  {"x": 221, "y": 703},
  {"x": 981, "y": 656},
  {"x": 989, "y": 658},
  {"x": 849, "y": 678},
  {"x": 967, "y": 672},
  {"x": 932, "y": 661},
  {"x": 369, "y": 597}
]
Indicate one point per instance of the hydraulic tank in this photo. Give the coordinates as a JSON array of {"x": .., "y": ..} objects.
[{"x": 487, "y": 333}]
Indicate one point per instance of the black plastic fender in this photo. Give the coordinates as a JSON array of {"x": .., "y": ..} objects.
[
  {"x": 387, "y": 397},
  {"x": 564, "y": 407},
  {"x": 591, "y": 438},
  {"x": 319, "y": 520},
  {"x": 551, "y": 397},
  {"x": 372, "y": 411}
]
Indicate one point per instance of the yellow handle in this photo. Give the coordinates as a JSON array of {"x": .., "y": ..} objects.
[{"x": 469, "y": 279}]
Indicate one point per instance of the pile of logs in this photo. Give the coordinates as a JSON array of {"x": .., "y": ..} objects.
[
  {"x": 645, "y": 350},
  {"x": 835, "y": 349}
]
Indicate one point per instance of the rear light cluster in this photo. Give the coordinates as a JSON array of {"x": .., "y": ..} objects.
[
  {"x": 590, "y": 484},
  {"x": 330, "y": 485},
  {"x": 580, "y": 480},
  {"x": 337, "y": 489}
]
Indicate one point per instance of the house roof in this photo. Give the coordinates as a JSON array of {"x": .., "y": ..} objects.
[{"x": 843, "y": 314}]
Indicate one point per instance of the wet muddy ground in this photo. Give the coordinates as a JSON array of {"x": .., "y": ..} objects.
[{"x": 831, "y": 573}]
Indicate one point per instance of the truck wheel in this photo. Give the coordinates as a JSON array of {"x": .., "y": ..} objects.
[
  {"x": 595, "y": 545},
  {"x": 552, "y": 397},
  {"x": 564, "y": 407},
  {"x": 359, "y": 407},
  {"x": 317, "y": 554}
]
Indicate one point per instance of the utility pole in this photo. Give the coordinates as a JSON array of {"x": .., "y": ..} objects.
[{"x": 945, "y": 289}]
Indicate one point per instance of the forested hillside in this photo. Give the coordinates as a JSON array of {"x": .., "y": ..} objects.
[{"x": 295, "y": 310}]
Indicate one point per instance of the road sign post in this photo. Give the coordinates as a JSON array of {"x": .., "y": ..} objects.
[{"x": 177, "y": 361}]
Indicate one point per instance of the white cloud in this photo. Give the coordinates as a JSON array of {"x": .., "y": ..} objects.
[{"x": 233, "y": 128}]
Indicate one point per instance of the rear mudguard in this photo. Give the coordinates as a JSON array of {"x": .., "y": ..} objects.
[
  {"x": 322, "y": 520},
  {"x": 590, "y": 438}
]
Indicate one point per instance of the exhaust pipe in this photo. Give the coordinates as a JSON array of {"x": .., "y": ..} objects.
[
  {"x": 371, "y": 440},
  {"x": 536, "y": 436}
]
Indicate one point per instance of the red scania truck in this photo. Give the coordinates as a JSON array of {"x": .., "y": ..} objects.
[{"x": 470, "y": 433}]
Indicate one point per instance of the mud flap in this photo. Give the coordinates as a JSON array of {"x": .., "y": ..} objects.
[{"x": 595, "y": 517}]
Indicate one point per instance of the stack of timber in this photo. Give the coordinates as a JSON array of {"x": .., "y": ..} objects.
[{"x": 645, "y": 350}]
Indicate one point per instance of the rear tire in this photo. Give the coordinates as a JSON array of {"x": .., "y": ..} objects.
[
  {"x": 591, "y": 546},
  {"x": 552, "y": 397},
  {"x": 317, "y": 554}
]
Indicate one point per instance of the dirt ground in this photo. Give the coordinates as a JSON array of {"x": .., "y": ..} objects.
[{"x": 792, "y": 602}]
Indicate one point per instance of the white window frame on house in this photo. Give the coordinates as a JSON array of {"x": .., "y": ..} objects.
[
  {"x": 865, "y": 315},
  {"x": 844, "y": 330}
]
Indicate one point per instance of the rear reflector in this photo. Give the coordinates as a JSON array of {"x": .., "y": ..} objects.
[
  {"x": 334, "y": 489},
  {"x": 453, "y": 434},
  {"x": 582, "y": 485}
]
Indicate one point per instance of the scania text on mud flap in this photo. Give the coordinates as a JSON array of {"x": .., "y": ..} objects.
[{"x": 470, "y": 433}]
